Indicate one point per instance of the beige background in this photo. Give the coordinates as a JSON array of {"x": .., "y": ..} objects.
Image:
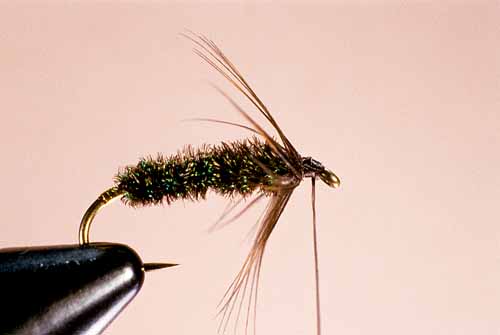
[{"x": 402, "y": 100}]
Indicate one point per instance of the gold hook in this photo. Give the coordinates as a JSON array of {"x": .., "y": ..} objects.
[{"x": 104, "y": 199}]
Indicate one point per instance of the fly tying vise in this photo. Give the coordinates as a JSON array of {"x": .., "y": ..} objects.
[{"x": 261, "y": 166}]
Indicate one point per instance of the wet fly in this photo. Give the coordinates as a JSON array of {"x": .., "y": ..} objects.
[{"x": 261, "y": 167}]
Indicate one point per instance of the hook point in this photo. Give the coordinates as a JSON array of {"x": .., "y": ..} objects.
[{"x": 156, "y": 266}]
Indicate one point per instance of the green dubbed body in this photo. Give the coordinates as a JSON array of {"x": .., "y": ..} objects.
[{"x": 228, "y": 169}]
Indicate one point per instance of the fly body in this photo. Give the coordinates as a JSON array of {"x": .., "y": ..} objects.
[{"x": 229, "y": 169}]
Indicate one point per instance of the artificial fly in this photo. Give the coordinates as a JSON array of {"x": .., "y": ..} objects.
[{"x": 261, "y": 166}]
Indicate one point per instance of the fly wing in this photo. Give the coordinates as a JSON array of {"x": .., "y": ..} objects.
[
  {"x": 243, "y": 289},
  {"x": 214, "y": 56}
]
